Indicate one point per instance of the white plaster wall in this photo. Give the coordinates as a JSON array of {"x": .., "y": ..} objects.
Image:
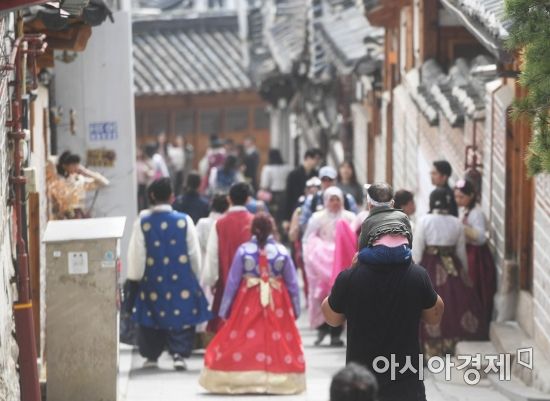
[
  {"x": 9, "y": 380},
  {"x": 38, "y": 162},
  {"x": 98, "y": 85}
]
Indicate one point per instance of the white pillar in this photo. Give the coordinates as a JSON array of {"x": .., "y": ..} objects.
[{"x": 98, "y": 86}]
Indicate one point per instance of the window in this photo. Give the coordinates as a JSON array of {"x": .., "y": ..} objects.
[
  {"x": 236, "y": 119},
  {"x": 210, "y": 121},
  {"x": 157, "y": 122},
  {"x": 261, "y": 118},
  {"x": 185, "y": 123}
]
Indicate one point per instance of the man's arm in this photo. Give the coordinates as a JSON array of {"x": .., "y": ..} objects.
[
  {"x": 210, "y": 269},
  {"x": 136, "y": 253},
  {"x": 332, "y": 318},
  {"x": 434, "y": 314},
  {"x": 193, "y": 247}
]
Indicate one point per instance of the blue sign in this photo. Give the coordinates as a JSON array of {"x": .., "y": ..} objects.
[{"x": 106, "y": 131}]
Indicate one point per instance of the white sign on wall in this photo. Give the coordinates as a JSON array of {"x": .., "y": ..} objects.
[{"x": 78, "y": 262}]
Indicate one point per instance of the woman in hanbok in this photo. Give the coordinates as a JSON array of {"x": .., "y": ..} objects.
[
  {"x": 79, "y": 181},
  {"x": 439, "y": 245},
  {"x": 258, "y": 349},
  {"x": 481, "y": 265},
  {"x": 319, "y": 243}
]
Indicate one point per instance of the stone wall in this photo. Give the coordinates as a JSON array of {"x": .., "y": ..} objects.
[{"x": 9, "y": 381}]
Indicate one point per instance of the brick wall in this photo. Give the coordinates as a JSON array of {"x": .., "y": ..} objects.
[
  {"x": 9, "y": 382},
  {"x": 541, "y": 267}
]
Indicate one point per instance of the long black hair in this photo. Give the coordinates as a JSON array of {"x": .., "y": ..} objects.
[
  {"x": 353, "y": 179},
  {"x": 66, "y": 158},
  {"x": 275, "y": 157},
  {"x": 440, "y": 199},
  {"x": 468, "y": 189}
]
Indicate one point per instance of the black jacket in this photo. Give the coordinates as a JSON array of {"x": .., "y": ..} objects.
[{"x": 295, "y": 186}]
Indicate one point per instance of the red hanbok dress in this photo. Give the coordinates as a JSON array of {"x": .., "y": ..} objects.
[{"x": 258, "y": 349}]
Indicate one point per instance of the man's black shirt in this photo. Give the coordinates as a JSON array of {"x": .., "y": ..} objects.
[
  {"x": 295, "y": 185},
  {"x": 383, "y": 305}
]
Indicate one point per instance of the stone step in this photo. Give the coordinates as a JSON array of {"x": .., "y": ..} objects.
[
  {"x": 473, "y": 348},
  {"x": 516, "y": 390},
  {"x": 508, "y": 337}
]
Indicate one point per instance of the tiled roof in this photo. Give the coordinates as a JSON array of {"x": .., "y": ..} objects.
[
  {"x": 486, "y": 19},
  {"x": 188, "y": 56},
  {"x": 490, "y": 13},
  {"x": 350, "y": 39},
  {"x": 457, "y": 94},
  {"x": 286, "y": 33}
]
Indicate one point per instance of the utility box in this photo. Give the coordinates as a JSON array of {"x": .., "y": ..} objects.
[{"x": 82, "y": 304}]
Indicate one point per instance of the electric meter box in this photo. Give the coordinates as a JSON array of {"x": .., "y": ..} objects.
[{"x": 82, "y": 304}]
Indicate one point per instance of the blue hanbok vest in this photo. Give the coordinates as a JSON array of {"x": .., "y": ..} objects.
[{"x": 170, "y": 297}]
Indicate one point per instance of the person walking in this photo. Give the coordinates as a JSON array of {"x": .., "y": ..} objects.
[
  {"x": 404, "y": 200},
  {"x": 175, "y": 152},
  {"x": 251, "y": 161},
  {"x": 228, "y": 233},
  {"x": 222, "y": 178},
  {"x": 163, "y": 265},
  {"x": 296, "y": 181},
  {"x": 315, "y": 203},
  {"x": 159, "y": 163},
  {"x": 347, "y": 181},
  {"x": 273, "y": 183},
  {"x": 295, "y": 233},
  {"x": 440, "y": 246},
  {"x": 218, "y": 207},
  {"x": 259, "y": 349},
  {"x": 145, "y": 172},
  {"x": 481, "y": 265},
  {"x": 213, "y": 158},
  {"x": 191, "y": 202},
  {"x": 440, "y": 174},
  {"x": 382, "y": 298},
  {"x": 319, "y": 243}
]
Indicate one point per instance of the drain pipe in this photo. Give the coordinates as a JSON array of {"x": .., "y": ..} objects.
[{"x": 24, "y": 325}]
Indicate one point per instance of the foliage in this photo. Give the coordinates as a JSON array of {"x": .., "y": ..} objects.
[{"x": 530, "y": 33}]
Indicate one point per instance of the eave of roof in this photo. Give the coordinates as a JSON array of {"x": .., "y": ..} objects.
[{"x": 491, "y": 36}]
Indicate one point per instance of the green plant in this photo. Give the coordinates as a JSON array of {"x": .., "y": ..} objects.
[{"x": 530, "y": 34}]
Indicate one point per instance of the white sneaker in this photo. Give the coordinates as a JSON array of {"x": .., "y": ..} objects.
[
  {"x": 179, "y": 362},
  {"x": 149, "y": 364}
]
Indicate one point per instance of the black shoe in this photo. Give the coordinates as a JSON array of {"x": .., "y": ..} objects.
[
  {"x": 179, "y": 362},
  {"x": 336, "y": 342},
  {"x": 321, "y": 334}
]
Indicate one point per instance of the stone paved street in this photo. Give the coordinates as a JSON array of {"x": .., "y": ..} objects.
[{"x": 165, "y": 384}]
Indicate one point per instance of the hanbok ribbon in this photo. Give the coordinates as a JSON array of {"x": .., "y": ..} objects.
[{"x": 266, "y": 297}]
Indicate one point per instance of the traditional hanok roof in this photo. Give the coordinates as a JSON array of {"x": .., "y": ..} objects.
[
  {"x": 457, "y": 94},
  {"x": 349, "y": 39},
  {"x": 189, "y": 55},
  {"x": 286, "y": 33},
  {"x": 486, "y": 20}
]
